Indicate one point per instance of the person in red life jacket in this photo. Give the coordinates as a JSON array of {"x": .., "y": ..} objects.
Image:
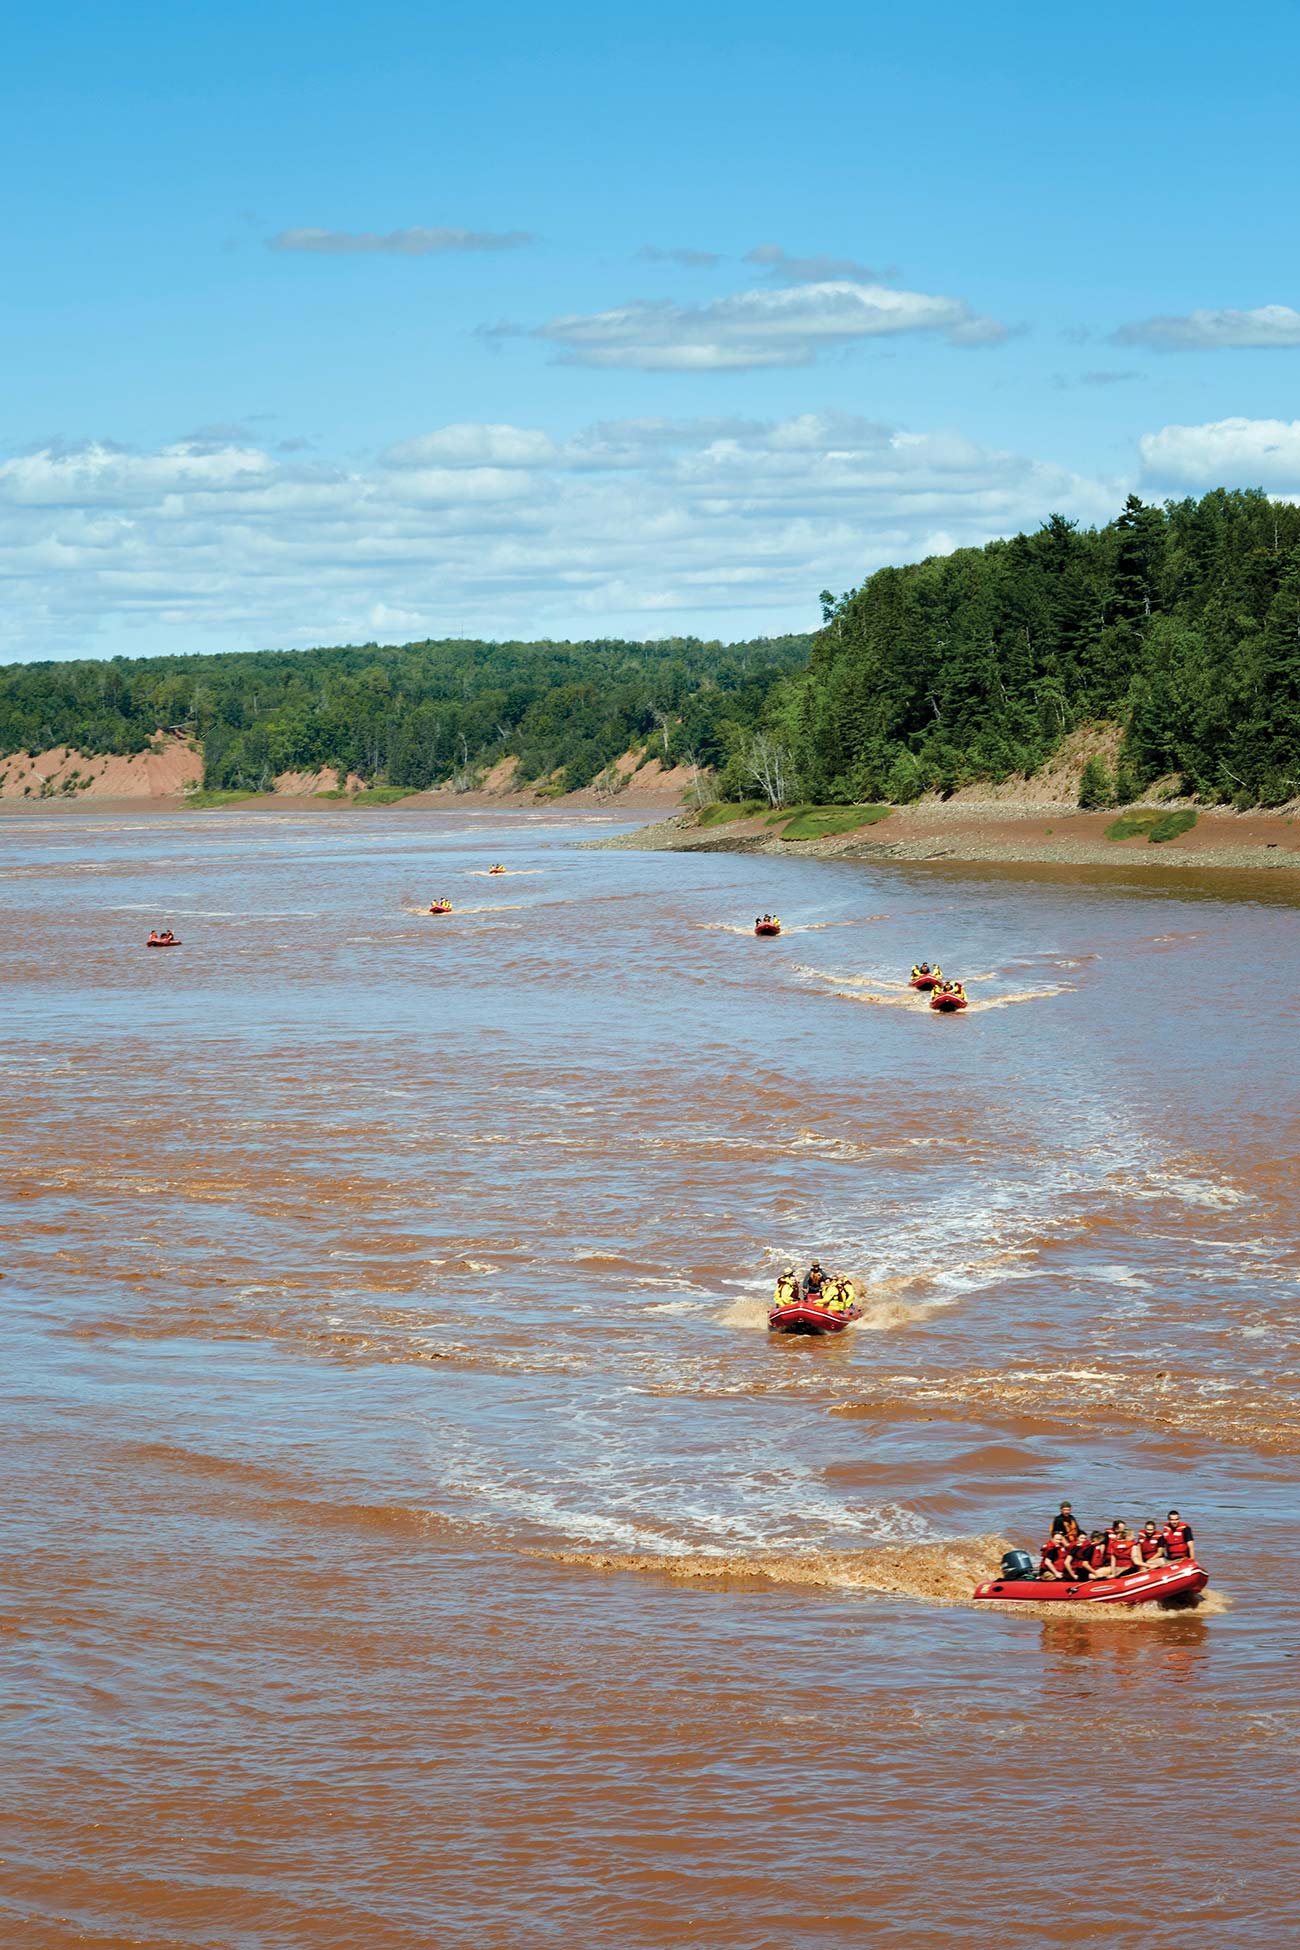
[
  {"x": 1079, "y": 1567},
  {"x": 1055, "y": 1560},
  {"x": 1151, "y": 1548},
  {"x": 1177, "y": 1539},
  {"x": 1122, "y": 1551},
  {"x": 1092, "y": 1551}
]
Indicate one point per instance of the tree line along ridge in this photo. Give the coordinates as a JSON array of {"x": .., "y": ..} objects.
[{"x": 1180, "y": 624}]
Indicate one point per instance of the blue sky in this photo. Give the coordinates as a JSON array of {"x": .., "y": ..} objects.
[{"x": 323, "y": 324}]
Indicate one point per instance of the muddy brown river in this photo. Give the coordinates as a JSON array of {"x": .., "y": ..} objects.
[{"x": 414, "y": 1540}]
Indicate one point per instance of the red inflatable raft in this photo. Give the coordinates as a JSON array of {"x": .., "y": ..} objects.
[
  {"x": 926, "y": 981},
  {"x": 808, "y": 1317},
  {"x": 767, "y": 927},
  {"x": 440, "y": 907},
  {"x": 947, "y": 1002},
  {"x": 1168, "y": 1584},
  {"x": 163, "y": 944}
]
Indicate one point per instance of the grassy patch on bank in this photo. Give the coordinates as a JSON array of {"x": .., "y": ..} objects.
[
  {"x": 1132, "y": 825},
  {"x": 1172, "y": 825},
  {"x": 209, "y": 797},
  {"x": 370, "y": 795},
  {"x": 383, "y": 795},
  {"x": 724, "y": 810},
  {"x": 820, "y": 822},
  {"x": 1146, "y": 821}
]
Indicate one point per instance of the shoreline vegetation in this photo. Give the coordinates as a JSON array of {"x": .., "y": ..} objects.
[{"x": 999, "y": 702}]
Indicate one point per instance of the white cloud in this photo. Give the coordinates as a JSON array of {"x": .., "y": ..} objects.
[
  {"x": 415, "y": 242},
  {"x": 475, "y": 445},
  {"x": 1238, "y": 452},
  {"x": 99, "y": 473},
  {"x": 784, "y": 327},
  {"x": 1266, "y": 325},
  {"x": 727, "y": 526}
]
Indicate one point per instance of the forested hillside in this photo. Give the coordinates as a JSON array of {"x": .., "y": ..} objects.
[
  {"x": 1181, "y": 623},
  {"x": 414, "y": 716}
]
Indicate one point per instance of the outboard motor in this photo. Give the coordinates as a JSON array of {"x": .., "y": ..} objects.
[{"x": 1019, "y": 1565}]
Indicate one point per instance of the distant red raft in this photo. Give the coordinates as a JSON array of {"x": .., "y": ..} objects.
[
  {"x": 173, "y": 943},
  {"x": 926, "y": 981},
  {"x": 947, "y": 1002},
  {"x": 807, "y": 1317},
  {"x": 1170, "y": 1584},
  {"x": 767, "y": 927}
]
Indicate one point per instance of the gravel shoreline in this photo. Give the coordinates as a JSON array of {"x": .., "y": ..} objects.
[{"x": 997, "y": 833}]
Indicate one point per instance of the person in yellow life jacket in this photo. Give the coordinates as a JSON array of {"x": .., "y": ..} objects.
[
  {"x": 831, "y": 1293},
  {"x": 955, "y": 988},
  {"x": 787, "y": 1289}
]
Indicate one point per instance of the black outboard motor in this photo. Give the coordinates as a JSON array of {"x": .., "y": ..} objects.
[{"x": 1019, "y": 1565}]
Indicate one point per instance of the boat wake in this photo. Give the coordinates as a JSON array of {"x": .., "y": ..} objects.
[
  {"x": 936, "y": 1573},
  {"x": 944, "y": 1573},
  {"x": 881, "y": 993}
]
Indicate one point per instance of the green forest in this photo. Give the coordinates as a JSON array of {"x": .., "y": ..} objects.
[
  {"x": 1179, "y": 623},
  {"x": 420, "y": 715}
]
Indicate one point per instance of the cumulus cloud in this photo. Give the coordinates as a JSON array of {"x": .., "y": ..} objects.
[
  {"x": 787, "y": 327},
  {"x": 1266, "y": 325},
  {"x": 1249, "y": 453},
  {"x": 689, "y": 260},
  {"x": 724, "y": 525},
  {"x": 415, "y": 242},
  {"x": 474, "y": 444},
  {"x": 808, "y": 270}
]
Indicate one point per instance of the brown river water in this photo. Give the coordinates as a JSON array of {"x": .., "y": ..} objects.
[{"x": 412, "y": 1536}]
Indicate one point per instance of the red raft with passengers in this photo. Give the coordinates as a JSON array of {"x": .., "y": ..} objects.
[
  {"x": 1173, "y": 1585},
  {"x": 827, "y": 1305},
  {"x": 948, "y": 998},
  {"x": 926, "y": 978},
  {"x": 767, "y": 924},
  {"x": 164, "y": 940}
]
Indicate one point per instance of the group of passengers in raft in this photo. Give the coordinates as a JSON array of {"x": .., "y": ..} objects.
[
  {"x": 164, "y": 940},
  {"x": 767, "y": 920},
  {"x": 1077, "y": 1555},
  {"x": 941, "y": 987},
  {"x": 830, "y": 1291}
]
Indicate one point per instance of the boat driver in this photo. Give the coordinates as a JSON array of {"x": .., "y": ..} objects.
[{"x": 813, "y": 1281}]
